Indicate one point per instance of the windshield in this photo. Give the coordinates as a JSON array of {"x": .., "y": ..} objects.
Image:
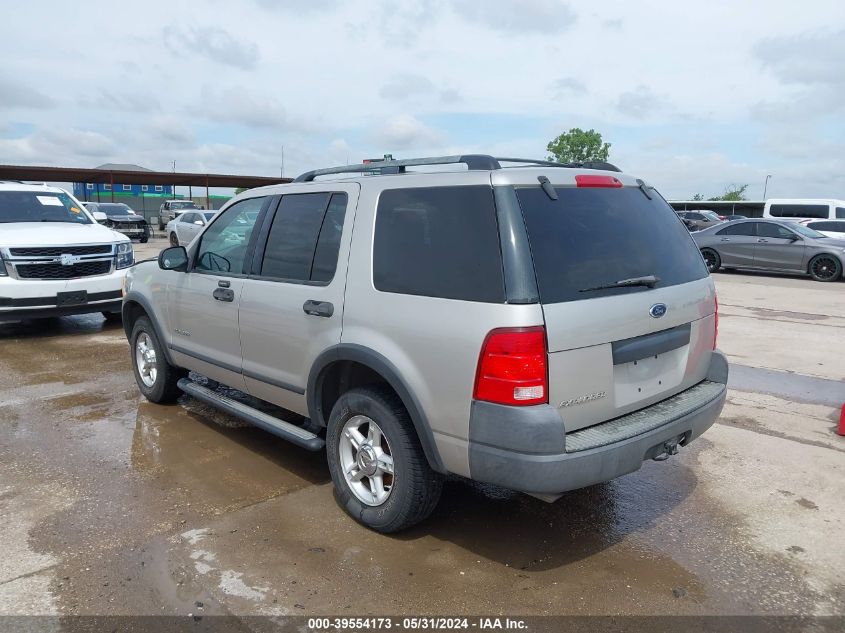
[
  {"x": 115, "y": 209},
  {"x": 806, "y": 231},
  {"x": 592, "y": 237},
  {"x": 40, "y": 206},
  {"x": 710, "y": 215},
  {"x": 183, "y": 205}
]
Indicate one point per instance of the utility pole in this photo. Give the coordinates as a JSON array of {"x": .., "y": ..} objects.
[
  {"x": 766, "y": 186},
  {"x": 282, "y": 174}
]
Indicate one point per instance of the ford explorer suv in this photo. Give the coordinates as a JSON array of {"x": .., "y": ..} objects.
[
  {"x": 54, "y": 258},
  {"x": 543, "y": 327}
]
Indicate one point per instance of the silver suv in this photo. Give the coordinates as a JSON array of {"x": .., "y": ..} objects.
[{"x": 543, "y": 327}]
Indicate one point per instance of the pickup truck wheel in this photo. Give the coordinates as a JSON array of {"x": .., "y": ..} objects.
[
  {"x": 156, "y": 377},
  {"x": 381, "y": 476}
]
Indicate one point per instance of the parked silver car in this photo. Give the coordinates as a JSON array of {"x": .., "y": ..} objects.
[
  {"x": 776, "y": 245},
  {"x": 544, "y": 328},
  {"x": 186, "y": 226}
]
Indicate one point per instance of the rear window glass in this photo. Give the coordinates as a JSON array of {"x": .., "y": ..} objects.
[
  {"x": 799, "y": 211},
  {"x": 438, "y": 242},
  {"x": 595, "y": 237}
]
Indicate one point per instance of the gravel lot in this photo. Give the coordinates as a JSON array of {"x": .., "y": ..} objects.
[{"x": 112, "y": 505}]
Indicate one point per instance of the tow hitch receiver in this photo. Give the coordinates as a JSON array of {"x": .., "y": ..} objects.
[{"x": 669, "y": 448}]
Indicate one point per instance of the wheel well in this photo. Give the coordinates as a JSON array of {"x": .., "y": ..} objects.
[
  {"x": 131, "y": 312},
  {"x": 340, "y": 377}
]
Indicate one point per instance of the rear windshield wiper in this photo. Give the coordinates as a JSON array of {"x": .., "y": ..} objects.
[{"x": 649, "y": 281}]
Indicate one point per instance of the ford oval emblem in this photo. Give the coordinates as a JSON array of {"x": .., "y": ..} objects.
[{"x": 658, "y": 310}]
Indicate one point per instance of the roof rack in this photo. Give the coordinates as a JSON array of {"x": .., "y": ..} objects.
[{"x": 474, "y": 162}]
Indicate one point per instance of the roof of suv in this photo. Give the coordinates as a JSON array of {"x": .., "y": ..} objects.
[{"x": 6, "y": 185}]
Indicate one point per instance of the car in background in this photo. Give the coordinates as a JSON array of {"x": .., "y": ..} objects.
[
  {"x": 170, "y": 209},
  {"x": 186, "y": 226},
  {"x": 773, "y": 245},
  {"x": 702, "y": 218},
  {"x": 804, "y": 209},
  {"x": 831, "y": 228},
  {"x": 121, "y": 218},
  {"x": 55, "y": 259},
  {"x": 731, "y": 218}
]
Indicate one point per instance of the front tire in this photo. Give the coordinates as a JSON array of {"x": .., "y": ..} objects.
[
  {"x": 156, "y": 377},
  {"x": 380, "y": 473},
  {"x": 174, "y": 241},
  {"x": 711, "y": 259},
  {"x": 825, "y": 267}
]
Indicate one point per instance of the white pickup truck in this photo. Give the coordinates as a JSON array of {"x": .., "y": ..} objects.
[{"x": 55, "y": 259}]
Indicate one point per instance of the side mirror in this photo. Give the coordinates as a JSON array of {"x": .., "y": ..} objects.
[
  {"x": 173, "y": 258},
  {"x": 198, "y": 222},
  {"x": 100, "y": 216},
  {"x": 794, "y": 238}
]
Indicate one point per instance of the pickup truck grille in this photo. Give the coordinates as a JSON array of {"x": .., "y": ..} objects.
[
  {"x": 58, "y": 271},
  {"x": 57, "y": 251}
]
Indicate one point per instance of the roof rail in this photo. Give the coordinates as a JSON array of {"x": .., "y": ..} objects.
[{"x": 474, "y": 162}]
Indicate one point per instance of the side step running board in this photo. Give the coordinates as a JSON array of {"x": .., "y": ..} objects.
[{"x": 285, "y": 430}]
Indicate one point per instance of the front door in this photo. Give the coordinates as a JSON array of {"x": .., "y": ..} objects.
[
  {"x": 778, "y": 248},
  {"x": 291, "y": 308},
  {"x": 204, "y": 301}
]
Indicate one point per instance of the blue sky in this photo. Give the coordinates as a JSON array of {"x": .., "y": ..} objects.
[{"x": 692, "y": 98}]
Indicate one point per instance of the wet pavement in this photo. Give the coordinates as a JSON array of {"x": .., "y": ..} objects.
[{"x": 112, "y": 505}]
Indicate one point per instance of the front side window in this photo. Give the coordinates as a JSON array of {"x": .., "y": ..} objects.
[
  {"x": 187, "y": 217},
  {"x": 224, "y": 245},
  {"x": 439, "y": 242},
  {"x": 38, "y": 206},
  {"x": 767, "y": 229},
  {"x": 303, "y": 242}
]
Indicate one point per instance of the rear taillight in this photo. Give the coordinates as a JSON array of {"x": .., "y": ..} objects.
[
  {"x": 512, "y": 367},
  {"x": 716, "y": 321},
  {"x": 597, "y": 180}
]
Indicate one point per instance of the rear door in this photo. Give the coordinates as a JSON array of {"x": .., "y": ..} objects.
[
  {"x": 291, "y": 308},
  {"x": 616, "y": 350},
  {"x": 736, "y": 244},
  {"x": 778, "y": 247}
]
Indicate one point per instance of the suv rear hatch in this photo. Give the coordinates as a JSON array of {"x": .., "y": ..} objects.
[{"x": 616, "y": 348}]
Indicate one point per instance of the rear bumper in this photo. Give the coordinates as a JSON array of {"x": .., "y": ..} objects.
[{"x": 549, "y": 469}]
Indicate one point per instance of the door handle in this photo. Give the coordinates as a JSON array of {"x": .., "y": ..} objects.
[
  {"x": 762, "y": 241},
  {"x": 318, "y": 308},
  {"x": 725, "y": 239},
  {"x": 223, "y": 294}
]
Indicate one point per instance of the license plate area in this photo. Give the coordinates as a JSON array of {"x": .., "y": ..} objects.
[
  {"x": 647, "y": 377},
  {"x": 74, "y": 298}
]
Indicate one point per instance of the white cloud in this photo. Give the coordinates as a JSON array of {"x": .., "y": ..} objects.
[
  {"x": 405, "y": 131},
  {"x": 518, "y": 18},
  {"x": 213, "y": 43}
]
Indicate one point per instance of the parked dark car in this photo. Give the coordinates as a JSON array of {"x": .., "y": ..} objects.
[
  {"x": 774, "y": 245},
  {"x": 121, "y": 218},
  {"x": 702, "y": 218},
  {"x": 731, "y": 218}
]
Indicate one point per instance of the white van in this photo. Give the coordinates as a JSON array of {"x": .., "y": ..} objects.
[{"x": 805, "y": 208}]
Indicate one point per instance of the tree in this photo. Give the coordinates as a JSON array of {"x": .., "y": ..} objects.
[
  {"x": 576, "y": 146},
  {"x": 240, "y": 190},
  {"x": 733, "y": 193},
  {"x": 698, "y": 197}
]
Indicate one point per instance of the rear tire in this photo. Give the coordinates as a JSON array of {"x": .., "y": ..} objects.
[
  {"x": 825, "y": 267},
  {"x": 156, "y": 377},
  {"x": 711, "y": 259},
  {"x": 414, "y": 487}
]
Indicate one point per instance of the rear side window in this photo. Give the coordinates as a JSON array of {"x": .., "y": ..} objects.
[
  {"x": 799, "y": 211},
  {"x": 438, "y": 242},
  {"x": 595, "y": 237},
  {"x": 840, "y": 212},
  {"x": 742, "y": 228},
  {"x": 304, "y": 239}
]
